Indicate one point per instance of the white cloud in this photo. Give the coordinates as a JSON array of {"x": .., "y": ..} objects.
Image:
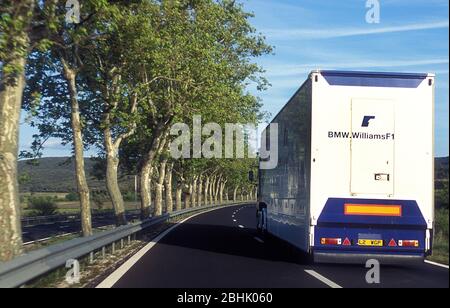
[
  {"x": 284, "y": 70},
  {"x": 346, "y": 32}
]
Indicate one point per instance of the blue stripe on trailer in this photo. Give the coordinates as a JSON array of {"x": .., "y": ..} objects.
[
  {"x": 374, "y": 79},
  {"x": 334, "y": 213},
  {"x": 334, "y": 223}
]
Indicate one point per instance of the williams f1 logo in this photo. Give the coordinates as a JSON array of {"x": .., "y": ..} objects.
[{"x": 366, "y": 121}]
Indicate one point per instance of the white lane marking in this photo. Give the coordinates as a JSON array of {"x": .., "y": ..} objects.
[
  {"x": 241, "y": 226},
  {"x": 436, "y": 264},
  {"x": 64, "y": 227},
  {"x": 234, "y": 220},
  {"x": 323, "y": 279},
  {"x": 112, "y": 279},
  {"x": 258, "y": 240}
]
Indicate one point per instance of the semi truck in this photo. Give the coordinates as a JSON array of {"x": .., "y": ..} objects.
[{"x": 355, "y": 174}]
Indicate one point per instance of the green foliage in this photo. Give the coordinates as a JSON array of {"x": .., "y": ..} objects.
[
  {"x": 141, "y": 66},
  {"x": 24, "y": 178},
  {"x": 441, "y": 239},
  {"x": 442, "y": 219},
  {"x": 442, "y": 168},
  {"x": 441, "y": 198},
  {"x": 15, "y": 19},
  {"x": 72, "y": 197},
  {"x": 99, "y": 198},
  {"x": 42, "y": 206},
  {"x": 129, "y": 196}
]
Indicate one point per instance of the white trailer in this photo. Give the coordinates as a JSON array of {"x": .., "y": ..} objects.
[{"x": 355, "y": 173}]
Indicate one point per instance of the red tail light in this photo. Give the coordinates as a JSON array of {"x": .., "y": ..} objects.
[
  {"x": 331, "y": 241},
  {"x": 408, "y": 243}
]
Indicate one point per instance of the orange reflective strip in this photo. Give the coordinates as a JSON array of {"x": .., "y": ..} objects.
[{"x": 373, "y": 210}]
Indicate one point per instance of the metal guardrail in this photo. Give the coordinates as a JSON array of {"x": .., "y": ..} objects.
[
  {"x": 40, "y": 220},
  {"x": 28, "y": 267}
]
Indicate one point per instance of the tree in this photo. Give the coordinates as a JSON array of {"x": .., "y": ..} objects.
[
  {"x": 59, "y": 68},
  {"x": 16, "y": 18},
  {"x": 112, "y": 74},
  {"x": 203, "y": 58}
]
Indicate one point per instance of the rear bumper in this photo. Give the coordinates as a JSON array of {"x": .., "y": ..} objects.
[{"x": 355, "y": 258}]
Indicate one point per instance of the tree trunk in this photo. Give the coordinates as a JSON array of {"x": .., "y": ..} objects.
[
  {"x": 159, "y": 188},
  {"x": 216, "y": 190},
  {"x": 194, "y": 192},
  {"x": 235, "y": 191},
  {"x": 212, "y": 190},
  {"x": 186, "y": 201},
  {"x": 222, "y": 188},
  {"x": 187, "y": 197},
  {"x": 83, "y": 189},
  {"x": 146, "y": 170},
  {"x": 11, "y": 92},
  {"x": 208, "y": 196},
  {"x": 168, "y": 188},
  {"x": 10, "y": 226},
  {"x": 200, "y": 191},
  {"x": 145, "y": 191},
  {"x": 178, "y": 196},
  {"x": 206, "y": 191},
  {"x": 220, "y": 197},
  {"x": 112, "y": 184}
]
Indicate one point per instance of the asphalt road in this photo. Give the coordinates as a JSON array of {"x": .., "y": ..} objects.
[
  {"x": 48, "y": 230},
  {"x": 217, "y": 250}
]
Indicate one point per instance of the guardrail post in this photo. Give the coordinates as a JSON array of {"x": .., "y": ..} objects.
[
  {"x": 113, "y": 247},
  {"x": 103, "y": 252},
  {"x": 129, "y": 240},
  {"x": 121, "y": 244},
  {"x": 91, "y": 257}
]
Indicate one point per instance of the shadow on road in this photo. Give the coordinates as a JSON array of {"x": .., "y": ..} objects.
[{"x": 233, "y": 241}]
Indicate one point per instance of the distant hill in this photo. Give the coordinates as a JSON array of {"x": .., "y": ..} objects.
[
  {"x": 442, "y": 168},
  {"x": 56, "y": 174}
]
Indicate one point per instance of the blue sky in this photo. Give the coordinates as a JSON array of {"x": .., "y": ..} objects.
[{"x": 412, "y": 36}]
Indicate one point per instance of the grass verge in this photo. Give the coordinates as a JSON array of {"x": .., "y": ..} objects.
[{"x": 440, "y": 246}]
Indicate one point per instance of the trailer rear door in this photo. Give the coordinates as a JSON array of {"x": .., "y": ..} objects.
[{"x": 372, "y": 147}]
